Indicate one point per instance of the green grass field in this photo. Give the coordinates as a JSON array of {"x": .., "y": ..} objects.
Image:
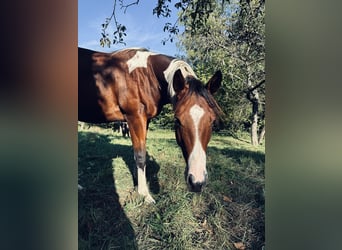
[{"x": 228, "y": 214}]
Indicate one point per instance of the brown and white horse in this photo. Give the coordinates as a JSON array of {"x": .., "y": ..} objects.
[{"x": 133, "y": 85}]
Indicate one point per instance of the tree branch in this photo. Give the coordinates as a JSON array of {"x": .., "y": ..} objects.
[
  {"x": 256, "y": 60},
  {"x": 119, "y": 28},
  {"x": 256, "y": 86},
  {"x": 125, "y": 7}
]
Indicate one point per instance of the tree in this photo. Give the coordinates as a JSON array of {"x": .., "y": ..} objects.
[
  {"x": 195, "y": 10},
  {"x": 233, "y": 39},
  {"x": 248, "y": 33}
]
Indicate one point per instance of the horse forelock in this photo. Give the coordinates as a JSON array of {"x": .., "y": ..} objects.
[{"x": 196, "y": 87}]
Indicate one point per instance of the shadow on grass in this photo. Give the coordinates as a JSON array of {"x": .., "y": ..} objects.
[
  {"x": 242, "y": 170},
  {"x": 102, "y": 222},
  {"x": 238, "y": 181}
]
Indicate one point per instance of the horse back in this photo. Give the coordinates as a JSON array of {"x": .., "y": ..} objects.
[{"x": 114, "y": 85}]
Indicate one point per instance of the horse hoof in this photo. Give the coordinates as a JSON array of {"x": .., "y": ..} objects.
[{"x": 149, "y": 199}]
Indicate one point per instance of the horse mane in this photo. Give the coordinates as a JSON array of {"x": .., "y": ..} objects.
[
  {"x": 196, "y": 87},
  {"x": 130, "y": 49}
]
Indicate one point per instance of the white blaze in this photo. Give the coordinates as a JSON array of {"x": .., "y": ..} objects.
[
  {"x": 197, "y": 158},
  {"x": 139, "y": 60}
]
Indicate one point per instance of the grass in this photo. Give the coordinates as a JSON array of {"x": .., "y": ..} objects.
[{"x": 113, "y": 216}]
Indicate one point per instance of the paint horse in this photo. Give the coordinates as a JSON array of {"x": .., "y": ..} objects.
[{"x": 133, "y": 85}]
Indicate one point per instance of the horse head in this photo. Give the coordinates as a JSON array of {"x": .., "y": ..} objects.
[{"x": 195, "y": 113}]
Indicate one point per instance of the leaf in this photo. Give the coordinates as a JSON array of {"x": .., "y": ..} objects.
[
  {"x": 227, "y": 199},
  {"x": 204, "y": 224},
  {"x": 239, "y": 245},
  {"x": 178, "y": 5}
]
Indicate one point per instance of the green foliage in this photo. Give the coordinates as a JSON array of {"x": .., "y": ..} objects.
[
  {"x": 233, "y": 40},
  {"x": 193, "y": 14}
]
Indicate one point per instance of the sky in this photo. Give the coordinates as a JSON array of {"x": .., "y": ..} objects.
[{"x": 143, "y": 28}]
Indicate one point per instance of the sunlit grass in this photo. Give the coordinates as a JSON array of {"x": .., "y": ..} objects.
[{"x": 229, "y": 210}]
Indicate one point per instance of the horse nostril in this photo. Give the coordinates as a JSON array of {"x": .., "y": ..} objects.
[
  {"x": 194, "y": 186},
  {"x": 190, "y": 179}
]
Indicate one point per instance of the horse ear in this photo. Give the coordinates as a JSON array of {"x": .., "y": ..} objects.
[
  {"x": 178, "y": 81},
  {"x": 215, "y": 82}
]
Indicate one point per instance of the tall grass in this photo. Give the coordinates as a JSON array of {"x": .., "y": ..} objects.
[{"x": 112, "y": 216}]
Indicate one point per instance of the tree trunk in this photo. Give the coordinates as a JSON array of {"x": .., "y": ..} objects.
[
  {"x": 253, "y": 97},
  {"x": 254, "y": 129},
  {"x": 262, "y": 135}
]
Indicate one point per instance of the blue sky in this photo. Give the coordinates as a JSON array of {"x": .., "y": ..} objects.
[{"x": 143, "y": 28}]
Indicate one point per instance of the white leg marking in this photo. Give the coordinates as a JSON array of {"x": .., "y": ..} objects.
[
  {"x": 138, "y": 60},
  {"x": 197, "y": 158},
  {"x": 142, "y": 186}
]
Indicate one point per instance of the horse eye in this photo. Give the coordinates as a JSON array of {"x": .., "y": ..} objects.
[{"x": 215, "y": 126}]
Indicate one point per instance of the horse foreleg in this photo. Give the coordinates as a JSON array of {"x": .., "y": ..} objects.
[
  {"x": 140, "y": 159},
  {"x": 138, "y": 131}
]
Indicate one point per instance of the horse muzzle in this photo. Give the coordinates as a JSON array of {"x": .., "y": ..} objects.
[{"x": 196, "y": 186}]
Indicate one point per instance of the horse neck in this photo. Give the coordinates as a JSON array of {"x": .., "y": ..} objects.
[{"x": 165, "y": 68}]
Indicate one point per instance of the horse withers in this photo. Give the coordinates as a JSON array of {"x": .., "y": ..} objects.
[{"x": 132, "y": 85}]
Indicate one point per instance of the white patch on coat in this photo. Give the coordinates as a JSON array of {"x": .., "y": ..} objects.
[
  {"x": 174, "y": 65},
  {"x": 139, "y": 60},
  {"x": 197, "y": 158}
]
